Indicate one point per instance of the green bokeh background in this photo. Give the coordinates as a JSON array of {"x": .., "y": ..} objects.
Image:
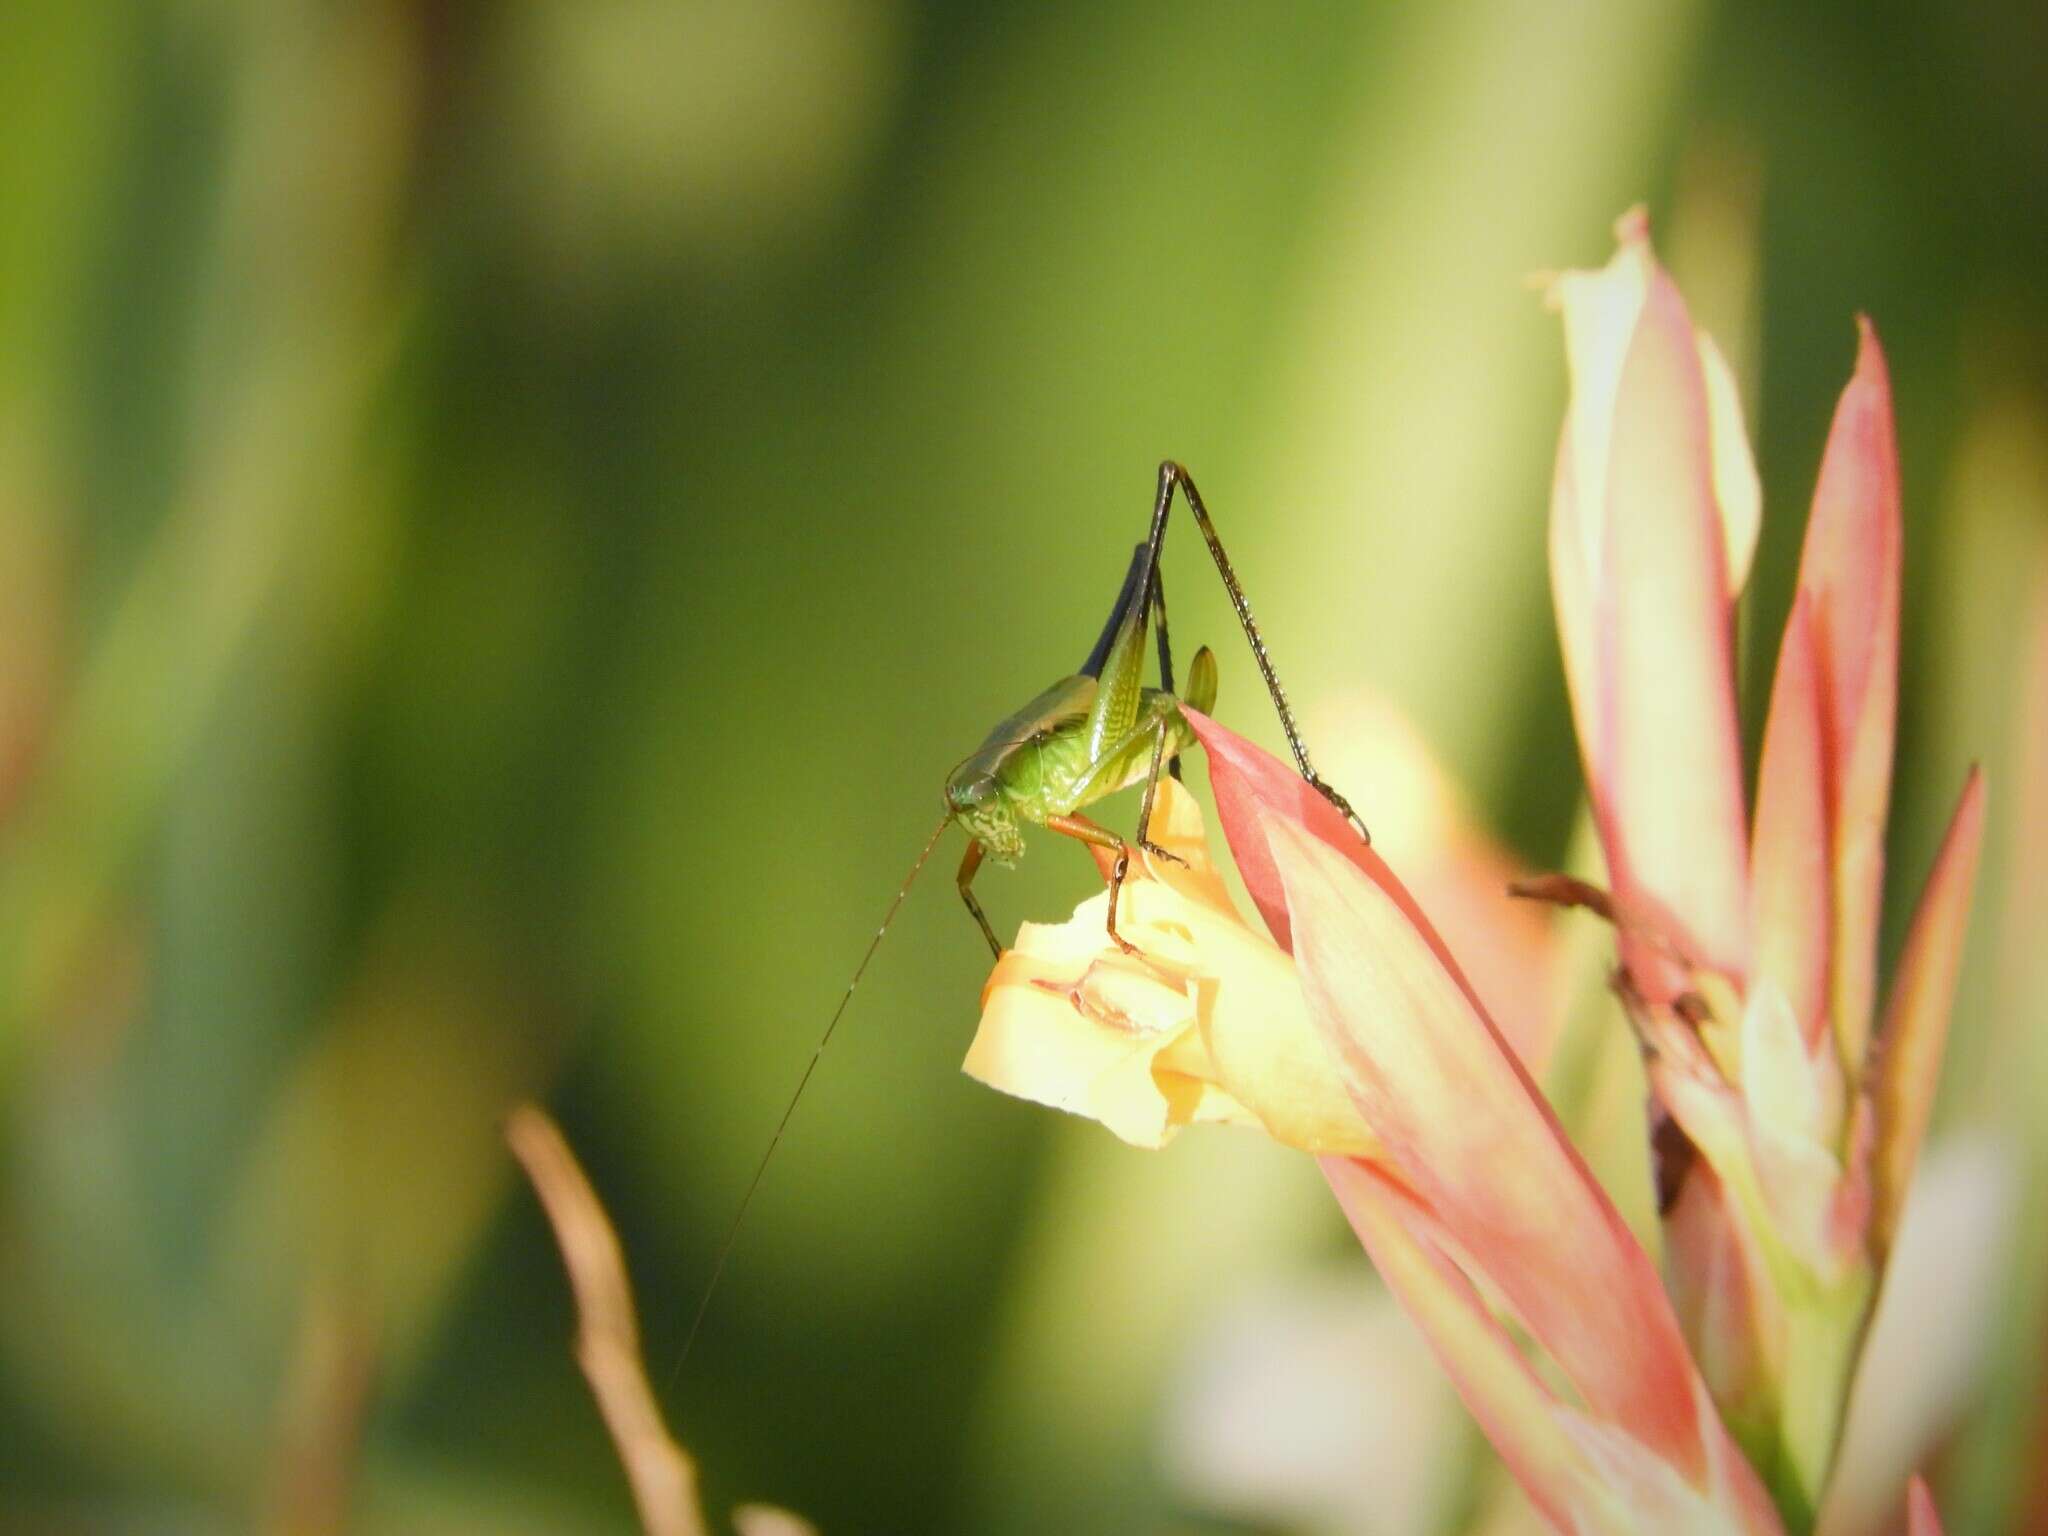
[{"x": 510, "y": 511}]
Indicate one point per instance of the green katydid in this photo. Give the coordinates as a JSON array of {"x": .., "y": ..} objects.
[
  {"x": 1102, "y": 730},
  {"x": 1084, "y": 738}
]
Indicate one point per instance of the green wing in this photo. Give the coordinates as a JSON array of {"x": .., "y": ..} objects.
[{"x": 1064, "y": 705}]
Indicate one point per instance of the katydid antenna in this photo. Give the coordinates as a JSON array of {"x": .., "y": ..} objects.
[{"x": 789, "y": 1109}]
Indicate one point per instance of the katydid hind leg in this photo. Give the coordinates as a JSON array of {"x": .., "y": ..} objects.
[
  {"x": 1171, "y": 475},
  {"x": 1126, "y": 595},
  {"x": 1120, "y": 685},
  {"x": 1165, "y": 652},
  {"x": 1119, "y": 611}
]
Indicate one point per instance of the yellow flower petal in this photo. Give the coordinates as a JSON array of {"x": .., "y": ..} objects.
[{"x": 1209, "y": 1025}]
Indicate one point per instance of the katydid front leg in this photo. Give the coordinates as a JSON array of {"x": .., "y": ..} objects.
[{"x": 969, "y": 863}]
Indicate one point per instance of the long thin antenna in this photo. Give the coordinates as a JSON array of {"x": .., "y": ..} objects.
[{"x": 732, "y": 1235}]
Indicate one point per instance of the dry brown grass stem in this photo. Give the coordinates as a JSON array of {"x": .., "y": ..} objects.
[{"x": 661, "y": 1473}]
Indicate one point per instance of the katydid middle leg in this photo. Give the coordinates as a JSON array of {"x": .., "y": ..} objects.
[
  {"x": 1151, "y": 792},
  {"x": 1083, "y": 830},
  {"x": 1086, "y": 831}
]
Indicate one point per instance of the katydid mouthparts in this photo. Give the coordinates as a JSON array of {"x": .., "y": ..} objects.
[{"x": 1084, "y": 738}]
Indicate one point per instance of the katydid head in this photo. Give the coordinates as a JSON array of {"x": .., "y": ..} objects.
[{"x": 978, "y": 802}]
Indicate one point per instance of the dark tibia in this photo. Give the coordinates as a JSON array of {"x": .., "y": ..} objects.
[
  {"x": 1151, "y": 793},
  {"x": 1165, "y": 663},
  {"x": 1171, "y": 475},
  {"x": 969, "y": 863}
]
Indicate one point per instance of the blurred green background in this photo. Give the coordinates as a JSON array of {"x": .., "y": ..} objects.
[{"x": 511, "y": 511}]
